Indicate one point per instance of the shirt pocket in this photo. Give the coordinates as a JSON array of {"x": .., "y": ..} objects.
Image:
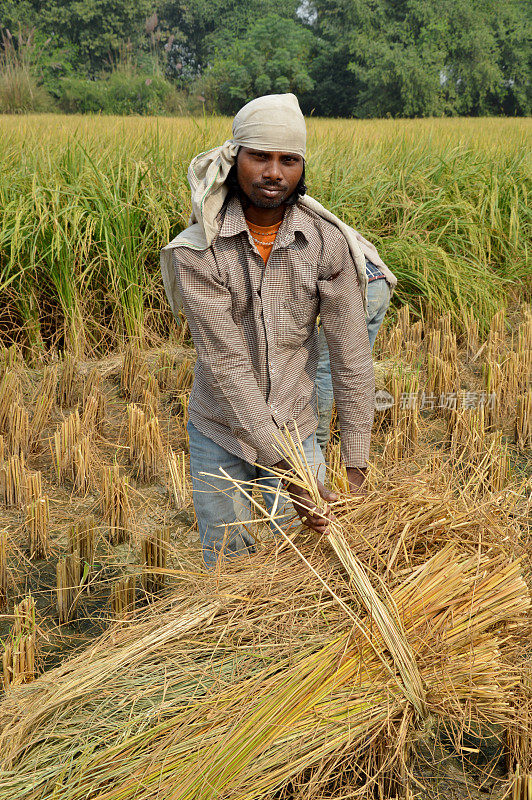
[{"x": 297, "y": 319}]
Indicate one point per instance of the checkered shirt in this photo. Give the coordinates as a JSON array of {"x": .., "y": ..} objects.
[{"x": 254, "y": 329}]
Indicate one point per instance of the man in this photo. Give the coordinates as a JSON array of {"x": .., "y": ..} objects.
[
  {"x": 381, "y": 282},
  {"x": 258, "y": 265}
]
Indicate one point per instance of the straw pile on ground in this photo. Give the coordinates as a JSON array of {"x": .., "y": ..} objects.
[{"x": 296, "y": 687}]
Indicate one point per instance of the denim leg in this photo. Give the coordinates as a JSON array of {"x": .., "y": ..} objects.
[
  {"x": 218, "y": 504},
  {"x": 377, "y": 306},
  {"x": 268, "y": 485},
  {"x": 378, "y": 302},
  {"x": 324, "y": 392}
]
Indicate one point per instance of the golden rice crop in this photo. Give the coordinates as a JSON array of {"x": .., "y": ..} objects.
[{"x": 85, "y": 206}]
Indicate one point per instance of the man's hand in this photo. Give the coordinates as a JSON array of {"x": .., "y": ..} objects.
[
  {"x": 356, "y": 477},
  {"x": 306, "y": 509},
  {"x": 316, "y": 520}
]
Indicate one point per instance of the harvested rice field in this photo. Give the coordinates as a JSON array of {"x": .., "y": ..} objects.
[{"x": 391, "y": 658}]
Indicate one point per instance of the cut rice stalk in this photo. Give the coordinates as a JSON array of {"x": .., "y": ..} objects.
[
  {"x": 523, "y": 421},
  {"x": 82, "y": 465},
  {"x": 44, "y": 403},
  {"x": 13, "y": 481},
  {"x": 68, "y": 588},
  {"x": 166, "y": 364},
  {"x": 18, "y": 430},
  {"x": 20, "y": 651},
  {"x": 520, "y": 741},
  {"x": 184, "y": 376},
  {"x": 66, "y": 438},
  {"x": 9, "y": 396},
  {"x": 116, "y": 509},
  {"x": 178, "y": 479},
  {"x": 123, "y": 597},
  {"x": 133, "y": 367},
  {"x": 82, "y": 541},
  {"x": 93, "y": 413},
  {"x": 67, "y": 385},
  {"x": 497, "y": 336},
  {"x": 92, "y": 385},
  {"x": 37, "y": 523},
  {"x": 154, "y": 556},
  {"x": 471, "y": 333},
  {"x": 146, "y": 447},
  {"x": 3, "y": 570},
  {"x": 33, "y": 488}
]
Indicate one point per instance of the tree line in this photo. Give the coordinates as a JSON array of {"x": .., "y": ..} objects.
[{"x": 350, "y": 58}]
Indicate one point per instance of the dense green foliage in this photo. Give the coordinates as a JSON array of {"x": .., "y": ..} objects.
[
  {"x": 362, "y": 58},
  {"x": 122, "y": 93},
  {"x": 85, "y": 205},
  {"x": 424, "y": 57},
  {"x": 270, "y": 57}
]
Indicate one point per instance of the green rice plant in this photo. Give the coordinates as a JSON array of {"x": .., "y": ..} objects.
[{"x": 86, "y": 204}]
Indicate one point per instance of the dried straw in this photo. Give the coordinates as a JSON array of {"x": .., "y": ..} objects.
[
  {"x": 178, "y": 479},
  {"x": 164, "y": 369},
  {"x": 520, "y": 741},
  {"x": 93, "y": 413},
  {"x": 133, "y": 366},
  {"x": 9, "y": 396},
  {"x": 184, "y": 376},
  {"x": 18, "y": 430},
  {"x": 82, "y": 542},
  {"x": 33, "y": 488},
  {"x": 154, "y": 554},
  {"x": 123, "y": 597},
  {"x": 4, "y": 580},
  {"x": 13, "y": 481},
  {"x": 65, "y": 440},
  {"x": 68, "y": 587},
  {"x": 523, "y": 421},
  {"x": 20, "y": 651},
  {"x": 497, "y": 336},
  {"x": 37, "y": 523},
  {"x": 116, "y": 509},
  {"x": 67, "y": 384},
  {"x": 44, "y": 403},
  {"x": 82, "y": 465},
  {"x": 382, "y": 611},
  {"x": 145, "y": 444},
  {"x": 242, "y": 712}
]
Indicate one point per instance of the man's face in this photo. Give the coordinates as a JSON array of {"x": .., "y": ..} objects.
[{"x": 268, "y": 179}]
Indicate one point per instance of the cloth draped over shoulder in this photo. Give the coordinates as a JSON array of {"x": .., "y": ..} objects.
[{"x": 273, "y": 123}]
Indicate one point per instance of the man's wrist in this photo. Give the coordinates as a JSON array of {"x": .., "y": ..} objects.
[{"x": 284, "y": 466}]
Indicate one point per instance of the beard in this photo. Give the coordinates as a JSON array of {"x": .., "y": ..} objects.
[{"x": 260, "y": 201}]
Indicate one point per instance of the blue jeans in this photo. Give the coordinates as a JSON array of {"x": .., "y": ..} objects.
[
  {"x": 378, "y": 302},
  {"x": 218, "y": 504}
]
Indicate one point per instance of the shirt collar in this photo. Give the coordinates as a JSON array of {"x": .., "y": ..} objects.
[{"x": 295, "y": 220}]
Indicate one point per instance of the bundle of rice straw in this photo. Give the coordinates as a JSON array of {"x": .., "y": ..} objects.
[{"x": 265, "y": 679}]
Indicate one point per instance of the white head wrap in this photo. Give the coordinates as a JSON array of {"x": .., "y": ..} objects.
[{"x": 273, "y": 123}]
